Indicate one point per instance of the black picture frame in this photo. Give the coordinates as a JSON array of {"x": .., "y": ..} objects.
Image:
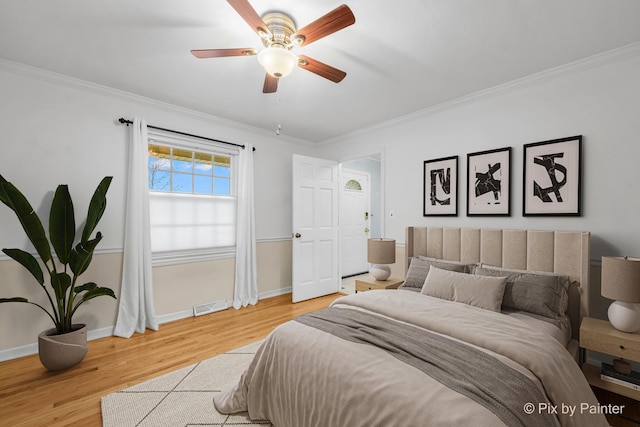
[
  {"x": 552, "y": 183},
  {"x": 440, "y": 189},
  {"x": 489, "y": 183}
]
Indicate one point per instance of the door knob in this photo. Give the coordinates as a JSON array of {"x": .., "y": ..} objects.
[{"x": 297, "y": 235}]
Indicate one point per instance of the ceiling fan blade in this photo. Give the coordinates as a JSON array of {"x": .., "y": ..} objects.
[
  {"x": 321, "y": 69},
  {"x": 220, "y": 53},
  {"x": 337, "y": 19},
  {"x": 251, "y": 17},
  {"x": 270, "y": 84}
]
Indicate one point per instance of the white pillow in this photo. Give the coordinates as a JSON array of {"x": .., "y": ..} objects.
[{"x": 480, "y": 291}]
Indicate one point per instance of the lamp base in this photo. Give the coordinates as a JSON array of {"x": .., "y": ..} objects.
[
  {"x": 624, "y": 316},
  {"x": 380, "y": 271}
]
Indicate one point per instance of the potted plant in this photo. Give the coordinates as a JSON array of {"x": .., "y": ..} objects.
[{"x": 66, "y": 340}]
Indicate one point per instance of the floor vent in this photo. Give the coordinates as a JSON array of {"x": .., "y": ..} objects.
[{"x": 199, "y": 310}]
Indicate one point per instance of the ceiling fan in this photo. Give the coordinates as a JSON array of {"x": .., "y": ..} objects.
[{"x": 279, "y": 35}]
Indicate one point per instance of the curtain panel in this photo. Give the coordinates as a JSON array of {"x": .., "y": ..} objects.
[{"x": 136, "y": 308}]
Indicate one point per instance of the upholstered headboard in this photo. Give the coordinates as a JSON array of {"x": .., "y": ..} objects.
[{"x": 562, "y": 252}]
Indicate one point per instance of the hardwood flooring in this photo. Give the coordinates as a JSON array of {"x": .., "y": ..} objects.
[{"x": 32, "y": 396}]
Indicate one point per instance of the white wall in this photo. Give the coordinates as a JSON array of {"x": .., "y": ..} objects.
[
  {"x": 600, "y": 102},
  {"x": 58, "y": 130}
]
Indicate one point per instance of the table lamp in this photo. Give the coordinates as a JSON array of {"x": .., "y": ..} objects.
[
  {"x": 621, "y": 282},
  {"x": 381, "y": 252}
]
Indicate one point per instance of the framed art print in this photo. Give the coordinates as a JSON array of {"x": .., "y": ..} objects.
[
  {"x": 441, "y": 187},
  {"x": 552, "y": 173},
  {"x": 489, "y": 183}
]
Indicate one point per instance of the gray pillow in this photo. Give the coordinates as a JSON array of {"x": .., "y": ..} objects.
[
  {"x": 419, "y": 268},
  {"x": 480, "y": 291},
  {"x": 535, "y": 292}
]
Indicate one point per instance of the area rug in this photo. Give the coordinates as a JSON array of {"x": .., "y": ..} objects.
[{"x": 183, "y": 397}]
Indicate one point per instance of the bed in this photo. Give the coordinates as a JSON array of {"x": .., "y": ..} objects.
[{"x": 487, "y": 339}]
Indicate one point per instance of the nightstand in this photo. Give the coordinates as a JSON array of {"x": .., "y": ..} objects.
[
  {"x": 599, "y": 335},
  {"x": 369, "y": 283}
]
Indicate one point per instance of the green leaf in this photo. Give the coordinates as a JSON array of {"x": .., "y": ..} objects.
[
  {"x": 16, "y": 299},
  {"x": 14, "y": 199},
  {"x": 62, "y": 224},
  {"x": 98, "y": 292},
  {"x": 60, "y": 282},
  {"x": 3, "y": 194},
  {"x": 86, "y": 287},
  {"x": 96, "y": 207},
  {"x": 94, "y": 293},
  {"x": 28, "y": 261},
  {"x": 81, "y": 255}
]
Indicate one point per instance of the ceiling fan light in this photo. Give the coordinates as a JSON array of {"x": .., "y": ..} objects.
[{"x": 277, "y": 61}]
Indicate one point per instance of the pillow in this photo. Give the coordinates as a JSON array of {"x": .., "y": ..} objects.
[
  {"x": 480, "y": 291},
  {"x": 419, "y": 268},
  {"x": 468, "y": 267},
  {"x": 537, "y": 292}
]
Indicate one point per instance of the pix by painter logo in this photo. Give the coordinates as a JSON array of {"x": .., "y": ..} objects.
[{"x": 548, "y": 408}]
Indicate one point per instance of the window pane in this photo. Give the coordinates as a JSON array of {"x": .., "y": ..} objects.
[
  {"x": 182, "y": 160},
  {"x": 159, "y": 157},
  {"x": 203, "y": 163},
  {"x": 221, "y": 170},
  {"x": 353, "y": 185},
  {"x": 182, "y": 183},
  {"x": 202, "y": 184},
  {"x": 222, "y": 160},
  {"x": 222, "y": 186},
  {"x": 158, "y": 180}
]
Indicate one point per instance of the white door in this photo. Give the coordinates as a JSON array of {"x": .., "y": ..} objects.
[
  {"x": 315, "y": 228},
  {"x": 355, "y": 213}
]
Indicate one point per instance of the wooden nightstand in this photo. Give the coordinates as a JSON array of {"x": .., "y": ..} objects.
[
  {"x": 599, "y": 335},
  {"x": 369, "y": 283}
]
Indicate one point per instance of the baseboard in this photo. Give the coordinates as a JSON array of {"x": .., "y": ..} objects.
[
  {"x": 29, "y": 349},
  {"x": 165, "y": 318},
  {"x": 275, "y": 293}
]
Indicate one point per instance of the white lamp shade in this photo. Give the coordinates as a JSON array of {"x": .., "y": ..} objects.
[{"x": 277, "y": 61}]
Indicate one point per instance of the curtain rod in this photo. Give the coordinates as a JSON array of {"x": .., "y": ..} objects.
[{"x": 129, "y": 122}]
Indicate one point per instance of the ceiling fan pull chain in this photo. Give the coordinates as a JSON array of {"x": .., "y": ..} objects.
[{"x": 279, "y": 127}]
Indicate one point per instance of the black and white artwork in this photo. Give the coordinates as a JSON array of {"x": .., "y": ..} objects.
[
  {"x": 488, "y": 183},
  {"x": 552, "y": 175},
  {"x": 441, "y": 186}
]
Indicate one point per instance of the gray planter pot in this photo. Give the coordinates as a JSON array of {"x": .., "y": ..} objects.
[{"x": 58, "y": 352}]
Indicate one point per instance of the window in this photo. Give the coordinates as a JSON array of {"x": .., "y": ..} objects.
[
  {"x": 353, "y": 185},
  {"x": 192, "y": 199},
  {"x": 176, "y": 170}
]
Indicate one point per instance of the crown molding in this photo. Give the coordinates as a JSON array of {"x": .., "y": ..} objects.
[
  {"x": 591, "y": 62},
  {"x": 76, "y": 83}
]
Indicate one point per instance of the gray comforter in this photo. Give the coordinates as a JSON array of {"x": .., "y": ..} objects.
[{"x": 303, "y": 376}]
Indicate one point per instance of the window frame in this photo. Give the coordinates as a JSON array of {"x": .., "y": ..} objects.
[{"x": 185, "y": 256}]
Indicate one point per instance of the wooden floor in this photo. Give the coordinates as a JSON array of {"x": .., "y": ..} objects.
[{"x": 31, "y": 396}]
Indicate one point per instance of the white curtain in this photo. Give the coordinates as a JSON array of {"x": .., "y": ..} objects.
[
  {"x": 246, "y": 286},
  {"x": 136, "y": 310}
]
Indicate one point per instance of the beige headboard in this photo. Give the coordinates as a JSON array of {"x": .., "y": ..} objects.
[{"x": 562, "y": 252}]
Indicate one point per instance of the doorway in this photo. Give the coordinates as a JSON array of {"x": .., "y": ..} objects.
[
  {"x": 360, "y": 212},
  {"x": 355, "y": 208}
]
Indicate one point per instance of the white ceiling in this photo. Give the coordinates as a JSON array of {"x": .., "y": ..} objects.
[{"x": 400, "y": 56}]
